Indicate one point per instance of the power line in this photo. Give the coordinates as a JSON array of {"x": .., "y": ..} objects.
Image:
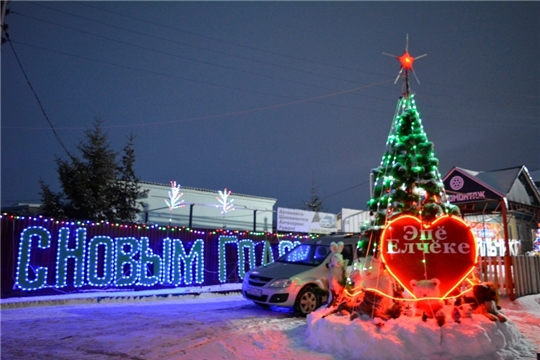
[
  {"x": 168, "y": 53},
  {"x": 198, "y": 47},
  {"x": 227, "y": 41},
  {"x": 194, "y": 34},
  {"x": 242, "y": 112},
  {"x": 37, "y": 98},
  {"x": 295, "y": 100},
  {"x": 345, "y": 190},
  {"x": 235, "y": 44},
  {"x": 190, "y": 59},
  {"x": 164, "y": 74},
  {"x": 177, "y": 43}
]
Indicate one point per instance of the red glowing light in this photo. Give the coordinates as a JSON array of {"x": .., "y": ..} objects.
[
  {"x": 413, "y": 250},
  {"x": 406, "y": 61}
]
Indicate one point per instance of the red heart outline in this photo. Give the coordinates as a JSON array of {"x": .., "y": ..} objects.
[{"x": 448, "y": 251}]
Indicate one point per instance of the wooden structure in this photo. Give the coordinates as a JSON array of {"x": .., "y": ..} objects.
[
  {"x": 525, "y": 272},
  {"x": 512, "y": 194}
]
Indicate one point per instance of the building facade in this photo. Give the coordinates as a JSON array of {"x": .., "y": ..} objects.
[
  {"x": 202, "y": 209},
  {"x": 502, "y": 207}
]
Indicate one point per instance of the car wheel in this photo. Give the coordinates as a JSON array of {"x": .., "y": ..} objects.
[{"x": 306, "y": 301}]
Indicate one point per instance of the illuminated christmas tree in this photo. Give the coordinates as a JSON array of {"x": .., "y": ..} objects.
[{"x": 407, "y": 180}]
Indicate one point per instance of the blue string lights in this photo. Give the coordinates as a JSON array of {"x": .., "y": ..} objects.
[
  {"x": 150, "y": 265},
  {"x": 193, "y": 258},
  {"x": 30, "y": 277},
  {"x": 64, "y": 253},
  {"x": 61, "y": 254},
  {"x": 105, "y": 243}
]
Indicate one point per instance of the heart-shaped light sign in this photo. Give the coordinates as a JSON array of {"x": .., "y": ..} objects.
[{"x": 445, "y": 249}]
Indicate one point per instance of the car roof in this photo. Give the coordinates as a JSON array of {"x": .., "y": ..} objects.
[{"x": 328, "y": 239}]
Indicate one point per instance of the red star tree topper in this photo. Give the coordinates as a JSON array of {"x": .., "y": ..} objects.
[{"x": 406, "y": 61}]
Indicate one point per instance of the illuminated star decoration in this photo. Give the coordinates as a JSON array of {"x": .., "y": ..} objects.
[
  {"x": 174, "y": 197},
  {"x": 226, "y": 204},
  {"x": 406, "y": 61}
]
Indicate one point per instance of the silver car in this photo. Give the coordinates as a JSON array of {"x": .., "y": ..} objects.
[{"x": 299, "y": 278}]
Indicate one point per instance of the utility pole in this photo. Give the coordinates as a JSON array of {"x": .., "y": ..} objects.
[{"x": 5, "y": 11}]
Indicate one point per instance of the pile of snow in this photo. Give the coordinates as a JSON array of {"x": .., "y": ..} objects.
[{"x": 412, "y": 338}]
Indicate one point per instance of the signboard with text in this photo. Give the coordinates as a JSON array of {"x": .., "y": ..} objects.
[
  {"x": 304, "y": 221},
  {"x": 42, "y": 256},
  {"x": 460, "y": 188}
]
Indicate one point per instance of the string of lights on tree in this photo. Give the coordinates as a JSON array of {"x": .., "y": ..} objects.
[
  {"x": 407, "y": 183},
  {"x": 407, "y": 180}
]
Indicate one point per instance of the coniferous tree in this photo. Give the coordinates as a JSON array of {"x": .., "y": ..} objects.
[
  {"x": 408, "y": 180},
  {"x": 51, "y": 203},
  {"x": 128, "y": 184},
  {"x": 315, "y": 203},
  {"x": 94, "y": 187}
]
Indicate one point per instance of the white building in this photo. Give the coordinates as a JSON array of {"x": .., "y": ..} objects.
[
  {"x": 202, "y": 209},
  {"x": 351, "y": 220}
]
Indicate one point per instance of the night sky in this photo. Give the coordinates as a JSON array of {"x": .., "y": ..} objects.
[{"x": 267, "y": 98}]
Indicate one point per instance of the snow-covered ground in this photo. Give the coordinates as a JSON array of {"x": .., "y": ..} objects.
[
  {"x": 475, "y": 337},
  {"x": 217, "y": 326}
]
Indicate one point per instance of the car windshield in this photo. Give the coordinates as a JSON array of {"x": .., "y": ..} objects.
[{"x": 306, "y": 254}]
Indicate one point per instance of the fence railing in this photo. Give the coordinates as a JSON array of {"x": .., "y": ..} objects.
[{"x": 525, "y": 274}]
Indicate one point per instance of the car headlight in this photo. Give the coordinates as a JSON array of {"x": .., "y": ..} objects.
[{"x": 281, "y": 283}]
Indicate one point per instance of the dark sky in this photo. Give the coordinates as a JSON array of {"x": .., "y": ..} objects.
[{"x": 264, "y": 98}]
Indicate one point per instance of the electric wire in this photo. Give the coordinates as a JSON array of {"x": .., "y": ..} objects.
[
  {"x": 230, "y": 114},
  {"x": 296, "y": 101},
  {"x": 190, "y": 59},
  {"x": 176, "y": 55},
  {"x": 138, "y": 20},
  {"x": 345, "y": 190},
  {"x": 38, "y": 100},
  {"x": 170, "y": 54},
  {"x": 210, "y": 83},
  {"x": 239, "y": 45},
  {"x": 184, "y": 44},
  {"x": 194, "y": 34}
]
